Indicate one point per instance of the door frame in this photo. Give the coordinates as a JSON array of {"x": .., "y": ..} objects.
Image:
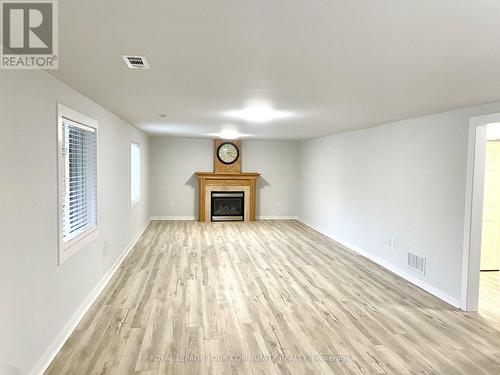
[
  {"x": 473, "y": 223},
  {"x": 495, "y": 141}
]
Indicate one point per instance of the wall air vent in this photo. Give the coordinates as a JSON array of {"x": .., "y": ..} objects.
[
  {"x": 136, "y": 62},
  {"x": 417, "y": 263}
]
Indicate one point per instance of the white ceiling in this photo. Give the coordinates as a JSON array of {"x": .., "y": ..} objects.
[{"x": 336, "y": 65}]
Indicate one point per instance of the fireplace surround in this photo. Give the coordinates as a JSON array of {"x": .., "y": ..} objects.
[{"x": 226, "y": 182}]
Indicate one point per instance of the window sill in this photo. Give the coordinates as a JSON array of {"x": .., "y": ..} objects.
[{"x": 69, "y": 249}]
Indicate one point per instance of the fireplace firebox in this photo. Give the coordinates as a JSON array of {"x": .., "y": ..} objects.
[{"x": 228, "y": 205}]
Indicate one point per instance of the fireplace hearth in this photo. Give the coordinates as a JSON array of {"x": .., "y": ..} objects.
[{"x": 228, "y": 205}]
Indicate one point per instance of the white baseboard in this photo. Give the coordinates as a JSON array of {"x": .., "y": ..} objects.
[
  {"x": 46, "y": 359},
  {"x": 277, "y": 218},
  {"x": 391, "y": 267},
  {"x": 174, "y": 218},
  {"x": 195, "y": 218}
]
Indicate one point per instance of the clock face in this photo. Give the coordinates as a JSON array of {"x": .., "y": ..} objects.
[{"x": 227, "y": 153}]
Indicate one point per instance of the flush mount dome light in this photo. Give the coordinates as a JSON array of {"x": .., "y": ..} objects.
[
  {"x": 228, "y": 134},
  {"x": 258, "y": 114}
]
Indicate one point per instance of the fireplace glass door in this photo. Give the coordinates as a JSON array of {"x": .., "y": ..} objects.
[{"x": 228, "y": 206}]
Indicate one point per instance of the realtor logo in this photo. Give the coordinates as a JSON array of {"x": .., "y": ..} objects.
[{"x": 29, "y": 34}]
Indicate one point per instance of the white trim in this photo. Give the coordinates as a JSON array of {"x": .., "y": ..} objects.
[
  {"x": 474, "y": 191},
  {"x": 391, "y": 267},
  {"x": 49, "y": 355},
  {"x": 277, "y": 218},
  {"x": 196, "y": 218},
  {"x": 174, "y": 218},
  {"x": 68, "y": 249},
  {"x": 73, "y": 115},
  {"x": 75, "y": 244}
]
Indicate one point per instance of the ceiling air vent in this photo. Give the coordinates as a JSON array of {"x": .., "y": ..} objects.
[{"x": 136, "y": 62}]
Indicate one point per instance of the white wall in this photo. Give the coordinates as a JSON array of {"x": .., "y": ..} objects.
[
  {"x": 174, "y": 186},
  {"x": 39, "y": 297},
  {"x": 404, "y": 180},
  {"x": 277, "y": 187}
]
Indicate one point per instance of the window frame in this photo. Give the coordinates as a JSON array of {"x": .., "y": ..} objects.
[
  {"x": 136, "y": 200},
  {"x": 67, "y": 249}
]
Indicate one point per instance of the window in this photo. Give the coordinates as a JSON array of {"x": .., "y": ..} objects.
[
  {"x": 77, "y": 180},
  {"x": 135, "y": 172}
]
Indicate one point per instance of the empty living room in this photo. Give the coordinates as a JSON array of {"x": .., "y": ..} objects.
[{"x": 249, "y": 187}]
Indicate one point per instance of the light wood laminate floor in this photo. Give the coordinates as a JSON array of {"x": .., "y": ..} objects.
[
  {"x": 489, "y": 295},
  {"x": 269, "y": 297}
]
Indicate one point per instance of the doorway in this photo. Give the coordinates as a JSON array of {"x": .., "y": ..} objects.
[
  {"x": 481, "y": 263},
  {"x": 489, "y": 283}
]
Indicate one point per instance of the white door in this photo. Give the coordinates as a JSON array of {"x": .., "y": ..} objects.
[{"x": 490, "y": 249}]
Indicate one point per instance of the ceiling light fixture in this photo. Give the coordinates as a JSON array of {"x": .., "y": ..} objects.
[
  {"x": 228, "y": 134},
  {"x": 258, "y": 113}
]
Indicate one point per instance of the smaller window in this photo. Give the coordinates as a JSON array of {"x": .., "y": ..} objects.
[{"x": 135, "y": 172}]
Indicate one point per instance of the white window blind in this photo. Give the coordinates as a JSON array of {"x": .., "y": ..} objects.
[
  {"x": 135, "y": 172},
  {"x": 79, "y": 214}
]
